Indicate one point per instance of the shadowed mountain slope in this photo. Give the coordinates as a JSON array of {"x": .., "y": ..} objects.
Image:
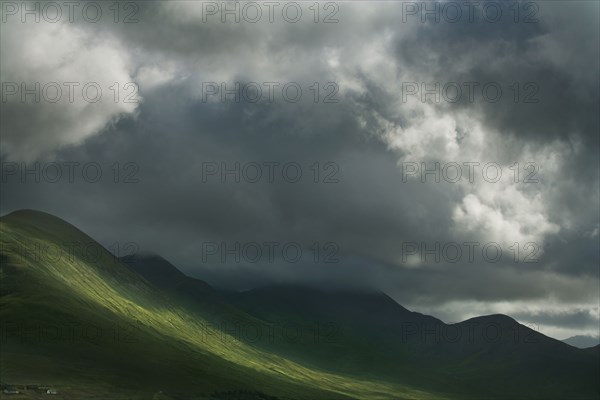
[
  {"x": 83, "y": 320},
  {"x": 74, "y": 315}
]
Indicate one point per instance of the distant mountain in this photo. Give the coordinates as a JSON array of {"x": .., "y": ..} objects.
[
  {"x": 138, "y": 328},
  {"x": 165, "y": 275},
  {"x": 486, "y": 355},
  {"x": 582, "y": 342},
  {"x": 197, "y": 295},
  {"x": 155, "y": 268}
]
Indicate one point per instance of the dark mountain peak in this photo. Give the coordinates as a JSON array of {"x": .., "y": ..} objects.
[
  {"x": 293, "y": 294},
  {"x": 28, "y": 213},
  {"x": 152, "y": 267},
  {"x": 497, "y": 319},
  {"x": 58, "y": 231},
  {"x": 38, "y": 219},
  {"x": 300, "y": 289},
  {"x": 147, "y": 256},
  {"x": 284, "y": 288},
  {"x": 160, "y": 272},
  {"x": 365, "y": 310}
]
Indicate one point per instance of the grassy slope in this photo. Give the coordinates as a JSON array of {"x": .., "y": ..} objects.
[
  {"x": 148, "y": 342},
  {"x": 375, "y": 337},
  {"x": 307, "y": 336},
  {"x": 410, "y": 347}
]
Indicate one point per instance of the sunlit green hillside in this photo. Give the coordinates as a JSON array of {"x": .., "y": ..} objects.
[{"x": 75, "y": 317}]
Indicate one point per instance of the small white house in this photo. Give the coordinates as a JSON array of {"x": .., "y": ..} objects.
[{"x": 51, "y": 391}]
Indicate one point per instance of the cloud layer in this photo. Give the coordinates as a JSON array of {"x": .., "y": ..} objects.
[{"x": 361, "y": 199}]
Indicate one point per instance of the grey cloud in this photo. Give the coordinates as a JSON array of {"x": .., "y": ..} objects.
[
  {"x": 574, "y": 319},
  {"x": 370, "y": 212}
]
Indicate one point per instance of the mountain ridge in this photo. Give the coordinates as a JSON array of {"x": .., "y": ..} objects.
[
  {"x": 174, "y": 349},
  {"x": 582, "y": 341},
  {"x": 363, "y": 346}
]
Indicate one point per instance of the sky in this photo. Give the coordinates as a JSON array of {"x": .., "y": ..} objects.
[{"x": 445, "y": 153}]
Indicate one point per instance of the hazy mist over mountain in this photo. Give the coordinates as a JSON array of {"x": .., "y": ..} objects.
[
  {"x": 583, "y": 342},
  {"x": 382, "y": 174}
]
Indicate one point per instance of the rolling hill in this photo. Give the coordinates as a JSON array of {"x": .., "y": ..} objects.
[
  {"x": 81, "y": 319},
  {"x": 492, "y": 356},
  {"x": 75, "y": 317}
]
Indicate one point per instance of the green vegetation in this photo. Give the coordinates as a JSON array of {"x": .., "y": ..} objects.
[
  {"x": 87, "y": 322},
  {"x": 77, "y": 319}
]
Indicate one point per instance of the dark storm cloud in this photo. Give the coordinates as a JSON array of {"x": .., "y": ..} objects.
[
  {"x": 370, "y": 212},
  {"x": 558, "y": 55}
]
